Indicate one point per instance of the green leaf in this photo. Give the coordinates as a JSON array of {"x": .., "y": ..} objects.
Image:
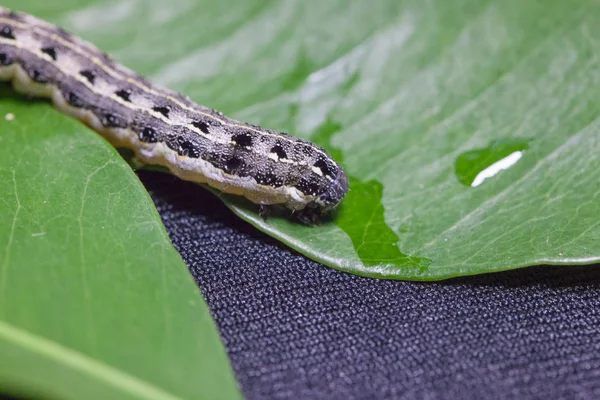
[
  {"x": 418, "y": 100},
  {"x": 468, "y": 127},
  {"x": 469, "y": 130},
  {"x": 95, "y": 303}
]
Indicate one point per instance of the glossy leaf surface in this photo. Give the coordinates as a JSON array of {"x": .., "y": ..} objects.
[{"x": 399, "y": 92}]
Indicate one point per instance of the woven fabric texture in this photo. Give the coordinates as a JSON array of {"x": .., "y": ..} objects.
[{"x": 295, "y": 329}]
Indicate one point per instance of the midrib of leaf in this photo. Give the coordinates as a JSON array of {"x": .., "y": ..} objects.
[
  {"x": 10, "y": 237},
  {"x": 70, "y": 358}
]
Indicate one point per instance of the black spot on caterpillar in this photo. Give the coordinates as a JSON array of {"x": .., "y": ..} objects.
[
  {"x": 203, "y": 126},
  {"x": 124, "y": 94},
  {"x": 243, "y": 139},
  {"x": 6, "y": 32},
  {"x": 162, "y": 110},
  {"x": 279, "y": 151},
  {"x": 89, "y": 75},
  {"x": 148, "y": 135},
  {"x": 50, "y": 51}
]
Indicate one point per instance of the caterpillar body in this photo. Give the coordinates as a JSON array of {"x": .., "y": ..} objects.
[{"x": 164, "y": 128}]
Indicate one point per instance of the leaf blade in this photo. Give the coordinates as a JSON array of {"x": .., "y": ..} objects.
[
  {"x": 88, "y": 267},
  {"x": 410, "y": 85}
]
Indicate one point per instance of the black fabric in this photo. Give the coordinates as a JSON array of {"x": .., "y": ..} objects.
[{"x": 296, "y": 329}]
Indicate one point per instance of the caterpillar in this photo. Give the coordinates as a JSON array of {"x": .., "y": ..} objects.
[{"x": 164, "y": 128}]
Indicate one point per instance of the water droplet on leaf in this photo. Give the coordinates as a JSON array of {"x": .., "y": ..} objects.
[{"x": 473, "y": 167}]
